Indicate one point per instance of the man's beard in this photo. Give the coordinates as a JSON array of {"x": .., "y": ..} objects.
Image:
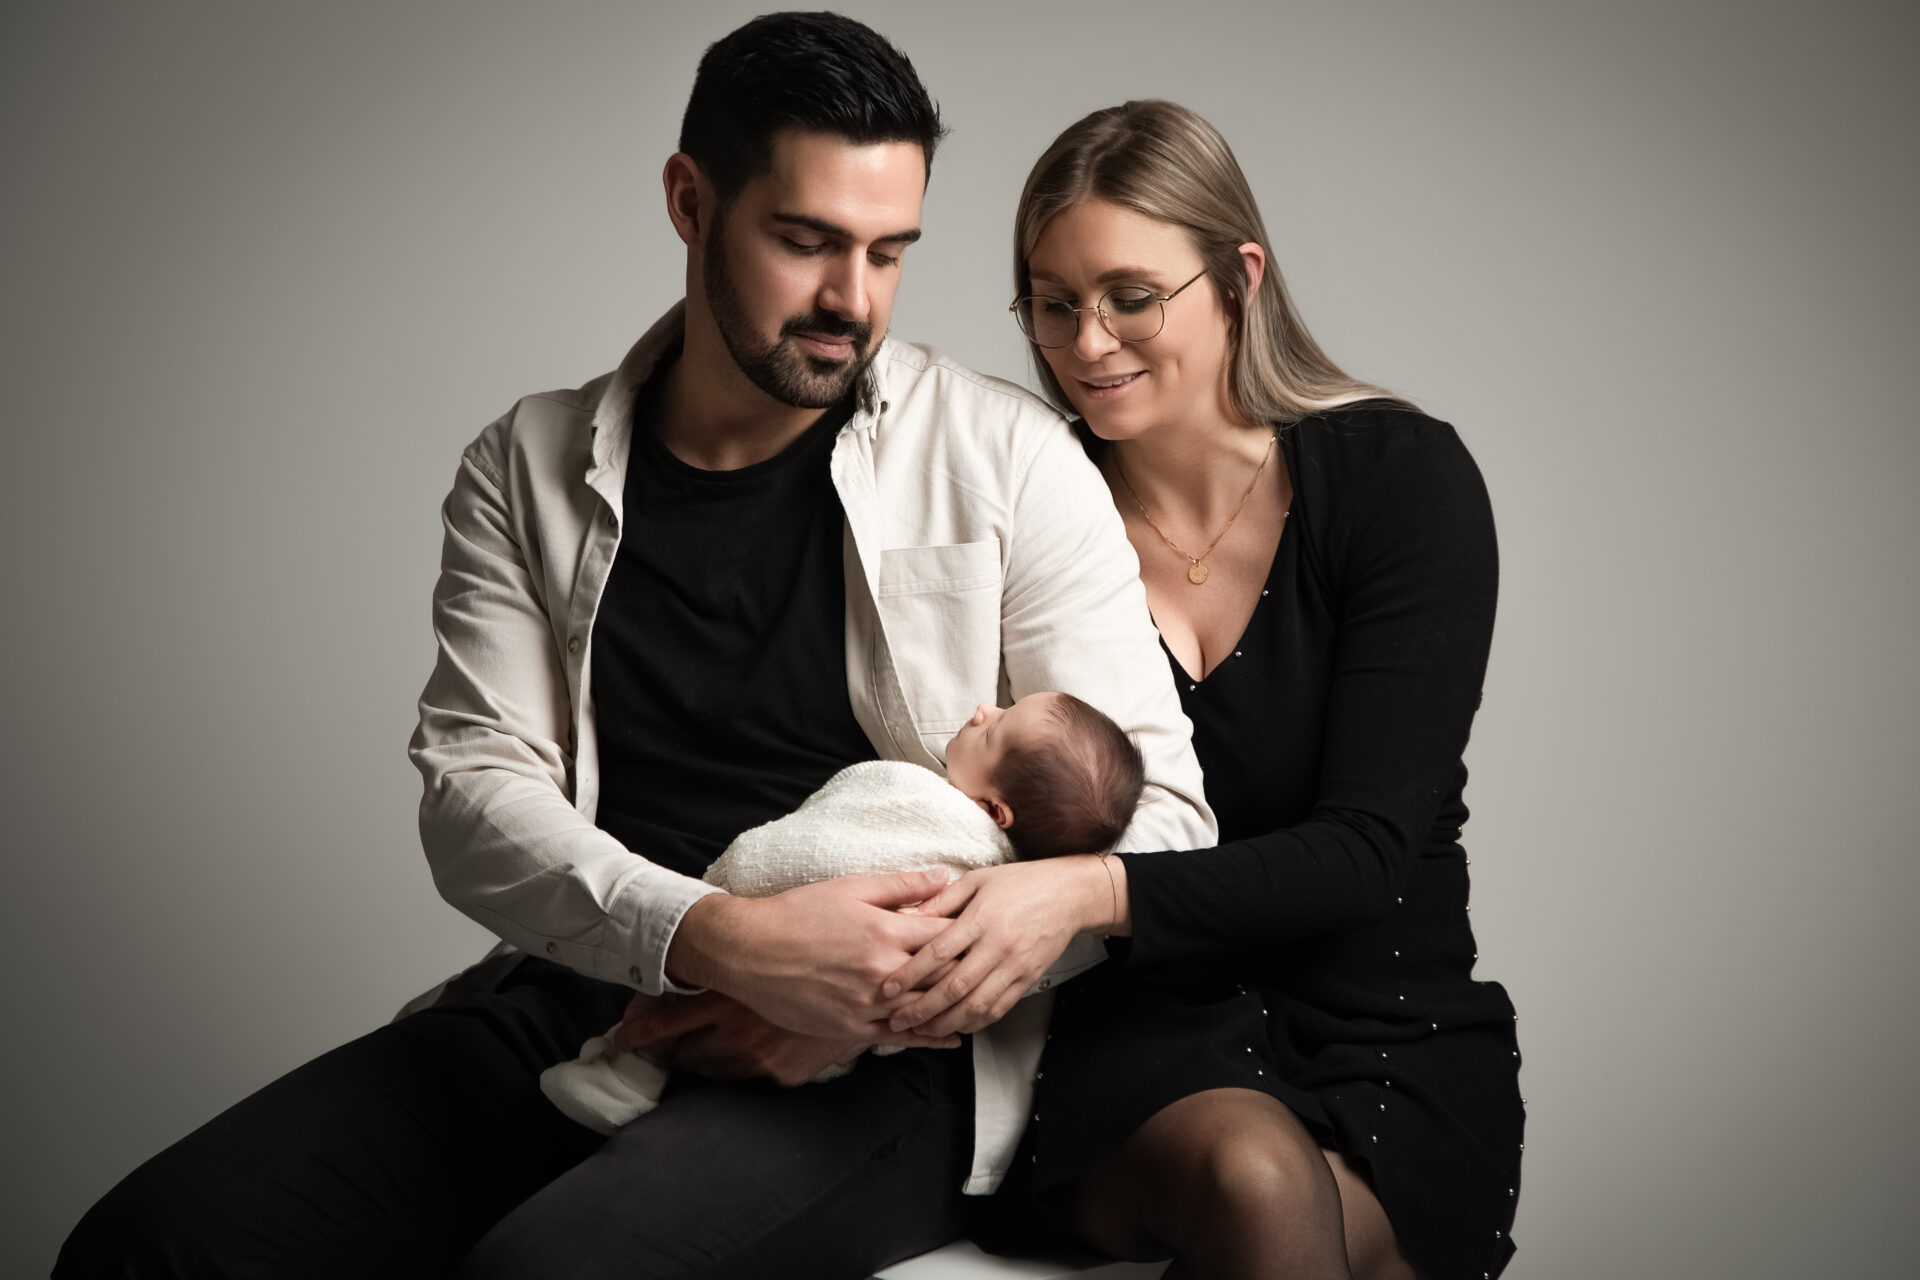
[{"x": 803, "y": 381}]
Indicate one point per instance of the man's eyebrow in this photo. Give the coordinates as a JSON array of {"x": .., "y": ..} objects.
[{"x": 839, "y": 232}]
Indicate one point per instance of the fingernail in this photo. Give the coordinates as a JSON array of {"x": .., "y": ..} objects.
[{"x": 890, "y": 988}]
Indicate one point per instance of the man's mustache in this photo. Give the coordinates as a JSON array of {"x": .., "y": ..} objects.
[{"x": 828, "y": 325}]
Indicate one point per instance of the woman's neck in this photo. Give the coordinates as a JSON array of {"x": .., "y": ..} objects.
[{"x": 1194, "y": 470}]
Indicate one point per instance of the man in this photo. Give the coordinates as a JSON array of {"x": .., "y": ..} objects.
[{"x": 672, "y": 603}]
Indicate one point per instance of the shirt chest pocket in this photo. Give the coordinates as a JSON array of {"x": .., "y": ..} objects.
[{"x": 940, "y": 613}]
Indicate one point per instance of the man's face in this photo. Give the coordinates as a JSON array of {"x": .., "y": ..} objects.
[{"x": 801, "y": 271}]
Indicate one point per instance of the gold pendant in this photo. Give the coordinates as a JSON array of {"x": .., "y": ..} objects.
[{"x": 1197, "y": 573}]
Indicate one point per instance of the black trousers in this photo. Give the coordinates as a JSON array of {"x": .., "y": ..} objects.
[{"x": 398, "y": 1153}]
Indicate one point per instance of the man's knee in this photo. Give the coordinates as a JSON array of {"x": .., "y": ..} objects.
[{"x": 149, "y": 1226}]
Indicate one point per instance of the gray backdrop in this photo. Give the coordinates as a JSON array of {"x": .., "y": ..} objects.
[{"x": 268, "y": 268}]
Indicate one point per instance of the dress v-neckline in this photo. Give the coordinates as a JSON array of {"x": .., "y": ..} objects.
[{"x": 1266, "y": 587}]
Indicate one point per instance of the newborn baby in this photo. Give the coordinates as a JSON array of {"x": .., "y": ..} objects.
[{"x": 1047, "y": 776}]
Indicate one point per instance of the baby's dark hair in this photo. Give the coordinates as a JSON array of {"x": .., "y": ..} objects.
[{"x": 1076, "y": 791}]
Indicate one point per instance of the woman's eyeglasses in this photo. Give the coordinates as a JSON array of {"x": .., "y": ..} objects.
[{"x": 1131, "y": 313}]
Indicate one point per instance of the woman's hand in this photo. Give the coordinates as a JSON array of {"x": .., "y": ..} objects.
[
  {"x": 811, "y": 959},
  {"x": 1013, "y": 922}
]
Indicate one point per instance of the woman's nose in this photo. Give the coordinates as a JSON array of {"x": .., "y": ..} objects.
[{"x": 1094, "y": 339}]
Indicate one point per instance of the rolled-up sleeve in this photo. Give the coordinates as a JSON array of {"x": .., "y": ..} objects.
[{"x": 496, "y": 746}]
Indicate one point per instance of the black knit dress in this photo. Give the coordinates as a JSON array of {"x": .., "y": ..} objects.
[{"x": 1322, "y": 951}]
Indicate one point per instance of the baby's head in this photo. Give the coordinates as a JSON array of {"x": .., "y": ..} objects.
[{"x": 1058, "y": 776}]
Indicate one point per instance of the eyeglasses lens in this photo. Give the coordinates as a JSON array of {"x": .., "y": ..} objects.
[
  {"x": 1048, "y": 321},
  {"x": 1133, "y": 314}
]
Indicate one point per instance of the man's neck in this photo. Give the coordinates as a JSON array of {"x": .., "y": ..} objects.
[{"x": 712, "y": 417}]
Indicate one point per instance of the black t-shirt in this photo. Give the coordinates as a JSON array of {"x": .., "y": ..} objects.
[{"x": 719, "y": 652}]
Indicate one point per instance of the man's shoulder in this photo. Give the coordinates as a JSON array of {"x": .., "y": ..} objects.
[
  {"x": 911, "y": 369},
  {"x": 544, "y": 427}
]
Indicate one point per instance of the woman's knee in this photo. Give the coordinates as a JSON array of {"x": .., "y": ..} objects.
[{"x": 1260, "y": 1175}]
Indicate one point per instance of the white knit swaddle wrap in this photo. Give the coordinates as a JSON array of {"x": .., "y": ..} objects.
[
  {"x": 869, "y": 819},
  {"x": 874, "y": 818}
]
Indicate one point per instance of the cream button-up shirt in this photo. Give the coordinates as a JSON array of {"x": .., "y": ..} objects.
[{"x": 984, "y": 561}]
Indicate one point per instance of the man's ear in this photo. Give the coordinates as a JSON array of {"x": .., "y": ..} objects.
[
  {"x": 690, "y": 201},
  {"x": 997, "y": 810}
]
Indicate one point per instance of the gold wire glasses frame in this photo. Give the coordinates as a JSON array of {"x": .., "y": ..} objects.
[{"x": 1044, "y": 319}]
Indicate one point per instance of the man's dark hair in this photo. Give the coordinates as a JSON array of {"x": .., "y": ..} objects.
[
  {"x": 1076, "y": 791},
  {"x": 819, "y": 72}
]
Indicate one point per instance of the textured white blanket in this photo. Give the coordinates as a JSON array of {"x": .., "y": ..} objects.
[{"x": 869, "y": 819}]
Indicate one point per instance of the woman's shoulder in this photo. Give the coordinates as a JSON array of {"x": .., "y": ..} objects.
[
  {"x": 1355, "y": 438},
  {"x": 1340, "y": 455}
]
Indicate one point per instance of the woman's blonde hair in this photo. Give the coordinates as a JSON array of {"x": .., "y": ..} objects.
[{"x": 1162, "y": 160}]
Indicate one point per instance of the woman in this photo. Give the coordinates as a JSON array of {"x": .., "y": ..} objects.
[{"x": 1288, "y": 1070}]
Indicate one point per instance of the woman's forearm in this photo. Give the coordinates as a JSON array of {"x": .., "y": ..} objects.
[{"x": 1110, "y": 916}]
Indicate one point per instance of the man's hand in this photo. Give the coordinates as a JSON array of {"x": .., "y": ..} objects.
[
  {"x": 811, "y": 959},
  {"x": 722, "y": 1038}
]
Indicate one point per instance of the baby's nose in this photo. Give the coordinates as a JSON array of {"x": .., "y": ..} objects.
[{"x": 980, "y": 713}]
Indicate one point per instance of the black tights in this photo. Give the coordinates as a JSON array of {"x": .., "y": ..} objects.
[{"x": 1232, "y": 1186}]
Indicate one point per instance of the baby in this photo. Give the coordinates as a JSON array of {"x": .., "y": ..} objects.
[{"x": 1047, "y": 776}]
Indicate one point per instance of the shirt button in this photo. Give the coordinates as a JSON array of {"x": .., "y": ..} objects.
[
  {"x": 612, "y": 520},
  {"x": 633, "y": 973},
  {"x": 573, "y": 645},
  {"x": 1043, "y": 984},
  {"x": 553, "y": 948}
]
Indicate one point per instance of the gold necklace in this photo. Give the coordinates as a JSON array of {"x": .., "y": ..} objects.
[{"x": 1196, "y": 566}]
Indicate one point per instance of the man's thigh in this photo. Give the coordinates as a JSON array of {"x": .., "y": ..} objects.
[
  {"x": 833, "y": 1180},
  {"x": 390, "y": 1155}
]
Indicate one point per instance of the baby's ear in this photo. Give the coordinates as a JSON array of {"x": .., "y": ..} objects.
[{"x": 997, "y": 810}]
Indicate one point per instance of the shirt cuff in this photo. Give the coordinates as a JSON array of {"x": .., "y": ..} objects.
[{"x": 656, "y": 906}]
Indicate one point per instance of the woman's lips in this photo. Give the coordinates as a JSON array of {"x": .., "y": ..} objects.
[{"x": 1110, "y": 387}]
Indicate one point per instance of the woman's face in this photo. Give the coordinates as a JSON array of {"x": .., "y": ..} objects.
[{"x": 1124, "y": 389}]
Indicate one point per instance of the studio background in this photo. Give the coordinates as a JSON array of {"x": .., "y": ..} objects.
[{"x": 267, "y": 269}]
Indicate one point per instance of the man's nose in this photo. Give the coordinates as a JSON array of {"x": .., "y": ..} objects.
[{"x": 844, "y": 291}]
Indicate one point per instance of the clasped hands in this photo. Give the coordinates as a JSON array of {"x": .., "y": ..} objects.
[{"x": 815, "y": 976}]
